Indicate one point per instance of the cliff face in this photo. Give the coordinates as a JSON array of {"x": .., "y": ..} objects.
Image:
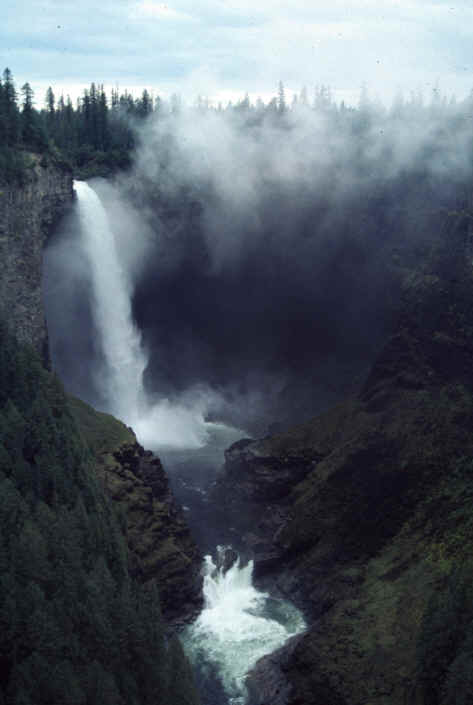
[
  {"x": 161, "y": 546},
  {"x": 159, "y": 542},
  {"x": 27, "y": 216},
  {"x": 364, "y": 514}
]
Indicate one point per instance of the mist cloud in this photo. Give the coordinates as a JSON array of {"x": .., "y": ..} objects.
[
  {"x": 272, "y": 261},
  {"x": 267, "y": 252}
]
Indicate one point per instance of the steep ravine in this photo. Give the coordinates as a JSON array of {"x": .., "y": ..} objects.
[{"x": 364, "y": 514}]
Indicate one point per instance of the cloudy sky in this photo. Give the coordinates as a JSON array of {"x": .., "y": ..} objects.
[{"x": 223, "y": 48}]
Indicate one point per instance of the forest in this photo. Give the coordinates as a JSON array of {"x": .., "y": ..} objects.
[
  {"x": 95, "y": 134},
  {"x": 75, "y": 627}
]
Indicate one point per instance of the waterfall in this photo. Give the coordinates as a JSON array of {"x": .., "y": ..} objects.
[
  {"x": 238, "y": 625},
  {"x": 157, "y": 423}
]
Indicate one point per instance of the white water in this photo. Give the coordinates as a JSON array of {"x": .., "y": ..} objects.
[
  {"x": 120, "y": 341},
  {"x": 238, "y": 625},
  {"x": 156, "y": 423}
]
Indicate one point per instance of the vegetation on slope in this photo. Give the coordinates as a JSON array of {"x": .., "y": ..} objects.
[
  {"x": 376, "y": 538},
  {"x": 445, "y": 645},
  {"x": 74, "y": 627}
]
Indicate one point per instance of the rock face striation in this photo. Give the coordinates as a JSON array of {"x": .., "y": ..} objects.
[
  {"x": 28, "y": 214},
  {"x": 364, "y": 514}
]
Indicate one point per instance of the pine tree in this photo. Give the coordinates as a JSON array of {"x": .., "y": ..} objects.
[
  {"x": 9, "y": 110},
  {"x": 50, "y": 112},
  {"x": 31, "y": 132}
]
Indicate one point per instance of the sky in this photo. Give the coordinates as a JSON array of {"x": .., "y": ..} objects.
[{"x": 224, "y": 48}]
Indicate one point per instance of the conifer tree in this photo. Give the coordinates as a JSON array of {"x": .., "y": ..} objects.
[
  {"x": 9, "y": 110},
  {"x": 31, "y": 134}
]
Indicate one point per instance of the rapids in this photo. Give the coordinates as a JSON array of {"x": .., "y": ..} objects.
[{"x": 238, "y": 625}]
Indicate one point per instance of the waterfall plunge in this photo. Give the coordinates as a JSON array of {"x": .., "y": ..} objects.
[
  {"x": 121, "y": 344},
  {"x": 155, "y": 424},
  {"x": 239, "y": 624}
]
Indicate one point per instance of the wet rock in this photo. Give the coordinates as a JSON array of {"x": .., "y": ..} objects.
[
  {"x": 267, "y": 683},
  {"x": 226, "y": 558}
]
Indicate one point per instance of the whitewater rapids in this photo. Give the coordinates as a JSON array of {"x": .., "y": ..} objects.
[{"x": 238, "y": 625}]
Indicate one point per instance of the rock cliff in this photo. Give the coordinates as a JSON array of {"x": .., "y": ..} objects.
[
  {"x": 160, "y": 544},
  {"x": 364, "y": 514},
  {"x": 28, "y": 214}
]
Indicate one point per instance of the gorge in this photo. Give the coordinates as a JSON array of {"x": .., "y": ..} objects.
[
  {"x": 237, "y": 619},
  {"x": 348, "y": 489}
]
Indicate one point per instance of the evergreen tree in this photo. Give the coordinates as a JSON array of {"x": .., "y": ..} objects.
[
  {"x": 31, "y": 133},
  {"x": 50, "y": 111},
  {"x": 144, "y": 105},
  {"x": 9, "y": 110}
]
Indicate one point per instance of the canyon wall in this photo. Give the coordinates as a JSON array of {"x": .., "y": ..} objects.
[
  {"x": 364, "y": 514},
  {"x": 28, "y": 214}
]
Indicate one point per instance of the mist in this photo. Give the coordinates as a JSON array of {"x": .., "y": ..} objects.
[{"x": 266, "y": 251}]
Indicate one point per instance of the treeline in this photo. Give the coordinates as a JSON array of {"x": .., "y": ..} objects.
[
  {"x": 94, "y": 136},
  {"x": 74, "y": 627}
]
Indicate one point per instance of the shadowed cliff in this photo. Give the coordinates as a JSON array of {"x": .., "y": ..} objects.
[
  {"x": 365, "y": 512},
  {"x": 160, "y": 544}
]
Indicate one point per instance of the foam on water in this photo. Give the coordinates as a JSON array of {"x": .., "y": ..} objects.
[{"x": 238, "y": 625}]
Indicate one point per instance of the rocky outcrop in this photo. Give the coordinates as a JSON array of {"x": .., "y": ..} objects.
[
  {"x": 159, "y": 540},
  {"x": 28, "y": 214},
  {"x": 160, "y": 545},
  {"x": 254, "y": 495},
  {"x": 363, "y": 514},
  {"x": 267, "y": 682}
]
